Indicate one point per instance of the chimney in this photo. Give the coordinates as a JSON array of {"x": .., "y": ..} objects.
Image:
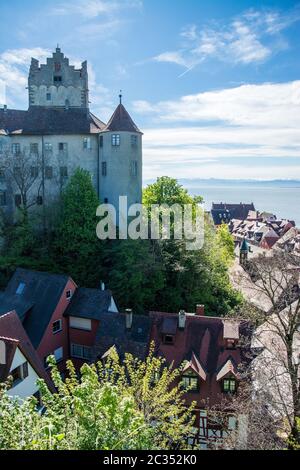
[
  {"x": 200, "y": 310},
  {"x": 102, "y": 286},
  {"x": 181, "y": 319},
  {"x": 128, "y": 317}
]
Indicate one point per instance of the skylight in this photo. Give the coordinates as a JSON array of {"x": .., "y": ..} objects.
[{"x": 20, "y": 288}]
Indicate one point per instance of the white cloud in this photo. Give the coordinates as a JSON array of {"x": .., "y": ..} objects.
[
  {"x": 246, "y": 122},
  {"x": 93, "y": 8},
  {"x": 14, "y": 67},
  {"x": 269, "y": 104},
  {"x": 246, "y": 39}
]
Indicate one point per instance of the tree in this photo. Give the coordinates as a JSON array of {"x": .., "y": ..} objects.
[
  {"x": 24, "y": 173},
  {"x": 117, "y": 405},
  {"x": 192, "y": 276},
  {"x": 75, "y": 245},
  {"x": 133, "y": 272},
  {"x": 273, "y": 281}
]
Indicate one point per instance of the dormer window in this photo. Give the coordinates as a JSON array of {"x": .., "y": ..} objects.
[
  {"x": 190, "y": 382},
  {"x": 229, "y": 386},
  {"x": 168, "y": 339},
  {"x": 115, "y": 140}
]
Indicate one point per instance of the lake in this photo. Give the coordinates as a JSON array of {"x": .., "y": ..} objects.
[{"x": 279, "y": 197}]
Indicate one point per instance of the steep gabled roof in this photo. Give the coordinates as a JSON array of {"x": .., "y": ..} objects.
[
  {"x": 121, "y": 121},
  {"x": 43, "y": 291},
  {"x": 14, "y": 336}
]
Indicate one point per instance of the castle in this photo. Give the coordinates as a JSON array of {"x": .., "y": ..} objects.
[{"x": 60, "y": 134}]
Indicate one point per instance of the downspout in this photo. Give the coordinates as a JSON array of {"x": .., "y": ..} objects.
[
  {"x": 98, "y": 167},
  {"x": 43, "y": 186}
]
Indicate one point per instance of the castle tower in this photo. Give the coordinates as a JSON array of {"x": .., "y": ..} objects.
[
  {"x": 244, "y": 251},
  {"x": 120, "y": 159},
  {"x": 57, "y": 83}
]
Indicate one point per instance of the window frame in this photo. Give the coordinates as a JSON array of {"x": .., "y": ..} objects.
[
  {"x": 3, "y": 198},
  {"x": 115, "y": 140},
  {"x": 61, "y": 358},
  {"x": 48, "y": 172},
  {"x": 228, "y": 389},
  {"x": 69, "y": 294},
  {"x": 104, "y": 168},
  {"x": 87, "y": 143},
  {"x": 59, "y": 321},
  {"x": 82, "y": 355},
  {"x": 189, "y": 378},
  {"x": 172, "y": 337}
]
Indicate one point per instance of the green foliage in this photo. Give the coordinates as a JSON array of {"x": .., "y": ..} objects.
[
  {"x": 143, "y": 274},
  {"x": 129, "y": 405},
  {"x": 75, "y": 244},
  {"x": 167, "y": 190}
]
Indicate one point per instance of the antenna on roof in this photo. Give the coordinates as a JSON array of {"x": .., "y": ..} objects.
[{"x": 120, "y": 96}]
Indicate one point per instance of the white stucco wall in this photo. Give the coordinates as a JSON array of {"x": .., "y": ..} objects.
[{"x": 26, "y": 387}]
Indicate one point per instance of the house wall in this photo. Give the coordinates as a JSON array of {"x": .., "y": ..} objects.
[
  {"x": 26, "y": 387},
  {"x": 51, "y": 341},
  {"x": 84, "y": 338}
]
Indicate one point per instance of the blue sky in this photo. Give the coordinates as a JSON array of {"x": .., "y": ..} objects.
[{"x": 215, "y": 86}]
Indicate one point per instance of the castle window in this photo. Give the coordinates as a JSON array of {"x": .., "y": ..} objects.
[
  {"x": 39, "y": 200},
  {"x": 104, "y": 168},
  {"x": 34, "y": 149},
  {"x": 87, "y": 143},
  {"x": 105, "y": 200},
  {"x": 57, "y": 79},
  {"x": 16, "y": 149},
  {"x": 134, "y": 140},
  {"x": 64, "y": 172},
  {"x": 134, "y": 168},
  {"x": 34, "y": 172},
  {"x": 48, "y": 96},
  {"x": 3, "y": 198},
  {"x": 18, "y": 200},
  {"x": 48, "y": 172},
  {"x": 229, "y": 386},
  {"x": 48, "y": 147},
  {"x": 57, "y": 66},
  {"x": 115, "y": 140},
  {"x": 63, "y": 147},
  {"x": 101, "y": 141}
]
